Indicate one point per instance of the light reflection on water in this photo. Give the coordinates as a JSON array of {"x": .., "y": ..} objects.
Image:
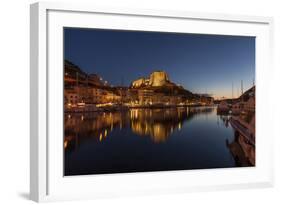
[{"x": 147, "y": 140}]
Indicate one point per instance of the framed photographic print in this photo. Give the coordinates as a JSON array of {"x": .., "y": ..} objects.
[{"x": 127, "y": 102}]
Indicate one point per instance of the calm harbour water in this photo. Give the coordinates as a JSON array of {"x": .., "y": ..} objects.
[{"x": 140, "y": 140}]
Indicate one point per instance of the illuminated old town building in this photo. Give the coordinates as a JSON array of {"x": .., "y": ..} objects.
[{"x": 155, "y": 90}]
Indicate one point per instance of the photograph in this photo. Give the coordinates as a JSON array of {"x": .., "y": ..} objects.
[{"x": 146, "y": 101}]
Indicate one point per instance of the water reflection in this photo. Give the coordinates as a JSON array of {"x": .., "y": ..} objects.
[
  {"x": 242, "y": 151},
  {"x": 79, "y": 127},
  {"x": 151, "y": 140},
  {"x": 158, "y": 124}
]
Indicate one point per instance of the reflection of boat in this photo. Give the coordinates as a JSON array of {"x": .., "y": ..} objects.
[
  {"x": 248, "y": 149},
  {"x": 243, "y": 129},
  {"x": 225, "y": 120},
  {"x": 244, "y": 126},
  {"x": 243, "y": 153}
]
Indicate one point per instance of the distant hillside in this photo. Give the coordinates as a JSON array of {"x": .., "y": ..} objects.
[
  {"x": 159, "y": 82},
  {"x": 174, "y": 90},
  {"x": 71, "y": 69},
  {"x": 73, "y": 74}
]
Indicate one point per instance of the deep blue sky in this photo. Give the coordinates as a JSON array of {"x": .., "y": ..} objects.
[{"x": 200, "y": 63}]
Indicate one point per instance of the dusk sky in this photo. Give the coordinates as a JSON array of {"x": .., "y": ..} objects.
[{"x": 200, "y": 63}]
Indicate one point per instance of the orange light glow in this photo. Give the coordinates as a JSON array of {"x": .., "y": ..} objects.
[{"x": 65, "y": 144}]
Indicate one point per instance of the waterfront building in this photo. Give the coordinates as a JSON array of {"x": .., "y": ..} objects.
[
  {"x": 206, "y": 100},
  {"x": 250, "y": 105},
  {"x": 138, "y": 83},
  {"x": 83, "y": 94},
  {"x": 96, "y": 80},
  {"x": 237, "y": 108},
  {"x": 71, "y": 97},
  {"x": 145, "y": 96},
  {"x": 126, "y": 94},
  {"x": 97, "y": 95},
  {"x": 111, "y": 96},
  {"x": 132, "y": 96},
  {"x": 156, "y": 89}
]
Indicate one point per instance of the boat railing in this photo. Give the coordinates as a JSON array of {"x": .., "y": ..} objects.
[{"x": 243, "y": 130}]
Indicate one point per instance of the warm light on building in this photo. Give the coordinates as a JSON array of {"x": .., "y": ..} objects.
[{"x": 65, "y": 144}]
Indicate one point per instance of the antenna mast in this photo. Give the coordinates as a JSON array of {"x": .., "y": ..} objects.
[{"x": 232, "y": 92}]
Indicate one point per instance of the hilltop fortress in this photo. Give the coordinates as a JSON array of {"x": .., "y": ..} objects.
[
  {"x": 156, "y": 79},
  {"x": 155, "y": 90}
]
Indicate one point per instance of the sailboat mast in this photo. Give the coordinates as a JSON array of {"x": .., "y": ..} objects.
[
  {"x": 232, "y": 93},
  {"x": 241, "y": 87},
  {"x": 242, "y": 90}
]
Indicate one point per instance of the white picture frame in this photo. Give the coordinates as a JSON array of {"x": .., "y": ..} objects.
[{"x": 46, "y": 177}]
